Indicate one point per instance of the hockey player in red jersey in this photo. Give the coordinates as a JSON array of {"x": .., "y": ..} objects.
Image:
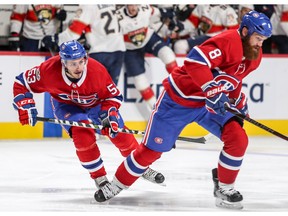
[
  {"x": 210, "y": 79},
  {"x": 81, "y": 90}
]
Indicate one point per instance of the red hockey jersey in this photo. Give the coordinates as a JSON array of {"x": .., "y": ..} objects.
[
  {"x": 94, "y": 87},
  {"x": 223, "y": 53}
]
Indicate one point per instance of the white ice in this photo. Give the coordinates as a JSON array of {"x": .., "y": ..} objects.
[{"x": 46, "y": 176}]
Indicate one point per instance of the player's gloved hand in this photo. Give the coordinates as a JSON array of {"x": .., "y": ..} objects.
[
  {"x": 109, "y": 120},
  {"x": 51, "y": 42},
  {"x": 175, "y": 25},
  {"x": 14, "y": 41},
  {"x": 27, "y": 111},
  {"x": 61, "y": 15},
  {"x": 240, "y": 104},
  {"x": 215, "y": 98},
  {"x": 166, "y": 14}
]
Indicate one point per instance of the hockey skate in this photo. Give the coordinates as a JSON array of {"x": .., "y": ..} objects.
[
  {"x": 226, "y": 197},
  {"x": 154, "y": 177},
  {"x": 101, "y": 181},
  {"x": 108, "y": 191}
]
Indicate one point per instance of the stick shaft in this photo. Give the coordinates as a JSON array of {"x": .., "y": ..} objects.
[
  {"x": 121, "y": 130},
  {"x": 258, "y": 124}
]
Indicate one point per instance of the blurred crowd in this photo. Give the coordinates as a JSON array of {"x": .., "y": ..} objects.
[{"x": 180, "y": 26}]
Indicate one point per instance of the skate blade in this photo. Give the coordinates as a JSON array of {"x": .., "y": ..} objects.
[{"x": 228, "y": 205}]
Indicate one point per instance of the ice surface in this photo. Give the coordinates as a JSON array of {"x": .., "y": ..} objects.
[{"x": 46, "y": 176}]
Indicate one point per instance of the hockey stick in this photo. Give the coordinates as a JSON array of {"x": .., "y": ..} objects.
[
  {"x": 258, "y": 124},
  {"x": 121, "y": 130}
]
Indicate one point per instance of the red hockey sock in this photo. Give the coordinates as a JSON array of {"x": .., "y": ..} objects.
[
  {"x": 88, "y": 151},
  {"x": 142, "y": 157},
  {"x": 170, "y": 67},
  {"x": 147, "y": 93},
  {"x": 235, "y": 143}
]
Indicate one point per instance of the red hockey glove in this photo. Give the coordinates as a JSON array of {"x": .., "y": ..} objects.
[
  {"x": 240, "y": 104},
  {"x": 27, "y": 111},
  {"x": 109, "y": 120}
]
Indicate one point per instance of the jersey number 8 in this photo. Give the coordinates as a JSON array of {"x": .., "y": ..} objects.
[{"x": 215, "y": 53}]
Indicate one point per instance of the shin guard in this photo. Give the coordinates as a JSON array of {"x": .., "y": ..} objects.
[
  {"x": 136, "y": 164},
  {"x": 235, "y": 143},
  {"x": 88, "y": 151}
]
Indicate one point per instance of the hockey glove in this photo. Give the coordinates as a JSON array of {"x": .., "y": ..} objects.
[
  {"x": 175, "y": 25},
  {"x": 215, "y": 98},
  {"x": 109, "y": 120},
  {"x": 51, "y": 42},
  {"x": 27, "y": 111},
  {"x": 240, "y": 104},
  {"x": 61, "y": 15},
  {"x": 14, "y": 41}
]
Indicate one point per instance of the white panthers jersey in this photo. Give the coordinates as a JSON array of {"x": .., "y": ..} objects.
[
  {"x": 214, "y": 19},
  {"x": 27, "y": 17},
  {"x": 136, "y": 30},
  {"x": 101, "y": 28},
  {"x": 279, "y": 20}
]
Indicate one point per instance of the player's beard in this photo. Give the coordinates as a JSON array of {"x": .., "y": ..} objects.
[{"x": 250, "y": 52}]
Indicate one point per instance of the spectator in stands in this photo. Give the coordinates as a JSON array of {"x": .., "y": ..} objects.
[{"x": 30, "y": 23}]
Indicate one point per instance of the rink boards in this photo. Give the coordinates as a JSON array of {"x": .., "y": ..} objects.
[{"x": 265, "y": 89}]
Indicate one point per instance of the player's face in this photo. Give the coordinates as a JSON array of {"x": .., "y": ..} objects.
[
  {"x": 76, "y": 67},
  {"x": 132, "y": 10},
  {"x": 252, "y": 45}
]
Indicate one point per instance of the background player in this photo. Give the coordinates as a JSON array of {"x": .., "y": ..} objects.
[
  {"x": 30, "y": 23},
  {"x": 102, "y": 31},
  {"x": 140, "y": 38}
]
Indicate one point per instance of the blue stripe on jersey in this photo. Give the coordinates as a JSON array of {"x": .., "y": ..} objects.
[
  {"x": 20, "y": 77},
  {"x": 229, "y": 161},
  {"x": 196, "y": 56},
  {"x": 133, "y": 167},
  {"x": 119, "y": 97}
]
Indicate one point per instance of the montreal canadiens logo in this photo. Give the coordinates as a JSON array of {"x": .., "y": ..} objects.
[
  {"x": 256, "y": 15},
  {"x": 158, "y": 140}
]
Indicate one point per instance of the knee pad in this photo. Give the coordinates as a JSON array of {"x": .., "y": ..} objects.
[
  {"x": 141, "y": 82},
  {"x": 181, "y": 47}
]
